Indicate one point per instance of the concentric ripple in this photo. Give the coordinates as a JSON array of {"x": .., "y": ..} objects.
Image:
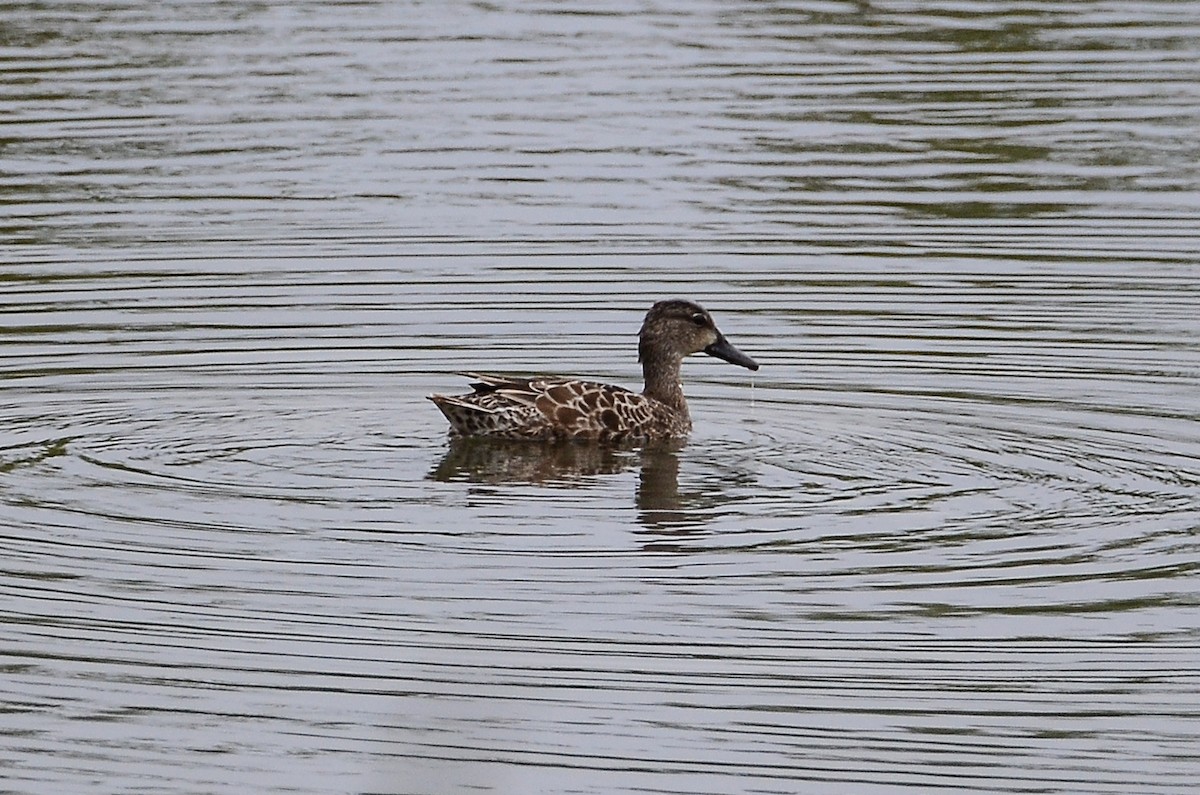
[
  {"x": 248, "y": 530},
  {"x": 945, "y": 538}
]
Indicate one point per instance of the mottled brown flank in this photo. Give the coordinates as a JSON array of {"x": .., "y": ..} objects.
[
  {"x": 561, "y": 393},
  {"x": 567, "y": 416},
  {"x": 611, "y": 420},
  {"x": 512, "y": 409}
]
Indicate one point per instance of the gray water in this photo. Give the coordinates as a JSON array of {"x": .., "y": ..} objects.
[{"x": 946, "y": 539}]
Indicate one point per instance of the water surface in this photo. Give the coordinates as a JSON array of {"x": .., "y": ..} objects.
[{"x": 945, "y": 538}]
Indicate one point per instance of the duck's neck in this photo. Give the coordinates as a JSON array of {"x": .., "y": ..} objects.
[{"x": 661, "y": 372}]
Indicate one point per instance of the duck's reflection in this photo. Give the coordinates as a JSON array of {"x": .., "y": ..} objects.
[
  {"x": 484, "y": 460},
  {"x": 661, "y": 506}
]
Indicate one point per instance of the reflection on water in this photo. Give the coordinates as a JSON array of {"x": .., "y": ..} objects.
[
  {"x": 659, "y": 502},
  {"x": 947, "y": 541},
  {"x": 569, "y": 465},
  {"x": 483, "y": 460}
]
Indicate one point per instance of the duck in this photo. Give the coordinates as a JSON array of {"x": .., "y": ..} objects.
[{"x": 557, "y": 408}]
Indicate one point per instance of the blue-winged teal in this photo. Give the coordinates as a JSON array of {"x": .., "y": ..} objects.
[{"x": 565, "y": 408}]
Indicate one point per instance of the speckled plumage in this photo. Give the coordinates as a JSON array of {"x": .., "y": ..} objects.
[{"x": 567, "y": 408}]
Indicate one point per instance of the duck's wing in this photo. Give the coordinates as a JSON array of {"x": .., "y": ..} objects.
[
  {"x": 487, "y": 382},
  {"x": 553, "y": 408},
  {"x": 502, "y": 390}
]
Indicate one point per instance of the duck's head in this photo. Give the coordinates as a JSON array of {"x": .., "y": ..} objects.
[{"x": 678, "y": 328}]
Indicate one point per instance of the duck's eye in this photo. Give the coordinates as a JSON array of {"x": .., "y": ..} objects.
[{"x": 699, "y": 319}]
